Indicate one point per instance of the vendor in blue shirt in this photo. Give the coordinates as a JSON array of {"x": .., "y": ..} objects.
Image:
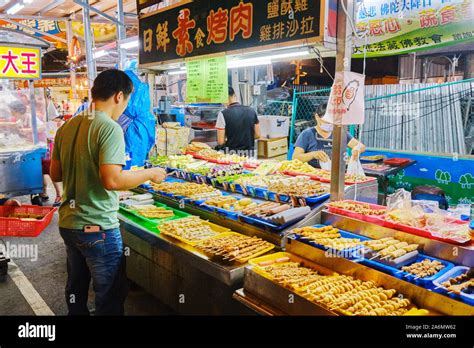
[{"x": 314, "y": 145}]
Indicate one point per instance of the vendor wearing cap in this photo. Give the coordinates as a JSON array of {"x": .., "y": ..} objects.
[{"x": 314, "y": 145}]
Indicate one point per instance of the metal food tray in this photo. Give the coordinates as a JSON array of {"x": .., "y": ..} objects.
[
  {"x": 216, "y": 228},
  {"x": 240, "y": 260}
]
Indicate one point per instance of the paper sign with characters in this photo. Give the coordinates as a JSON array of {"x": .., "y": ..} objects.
[{"x": 346, "y": 104}]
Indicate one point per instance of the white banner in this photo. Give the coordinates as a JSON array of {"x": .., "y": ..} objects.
[{"x": 346, "y": 104}]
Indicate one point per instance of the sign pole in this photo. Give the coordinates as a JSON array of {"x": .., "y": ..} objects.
[
  {"x": 34, "y": 124},
  {"x": 343, "y": 63},
  {"x": 89, "y": 41}
]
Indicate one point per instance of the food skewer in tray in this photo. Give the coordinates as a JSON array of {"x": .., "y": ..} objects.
[{"x": 340, "y": 293}]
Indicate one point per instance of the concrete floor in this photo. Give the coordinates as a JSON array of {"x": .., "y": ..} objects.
[{"x": 48, "y": 277}]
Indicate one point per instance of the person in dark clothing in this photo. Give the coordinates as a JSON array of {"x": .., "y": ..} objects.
[{"x": 237, "y": 127}]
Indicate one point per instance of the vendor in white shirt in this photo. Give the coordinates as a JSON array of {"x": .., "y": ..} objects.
[{"x": 314, "y": 145}]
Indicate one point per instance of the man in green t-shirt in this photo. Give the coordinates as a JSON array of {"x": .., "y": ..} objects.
[{"x": 88, "y": 158}]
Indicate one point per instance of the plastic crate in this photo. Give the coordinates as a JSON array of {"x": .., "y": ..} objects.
[
  {"x": 17, "y": 227},
  {"x": 453, "y": 272}
]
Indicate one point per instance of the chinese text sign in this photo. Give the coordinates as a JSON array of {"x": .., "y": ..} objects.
[
  {"x": 207, "y": 80},
  {"x": 20, "y": 63},
  {"x": 346, "y": 104},
  {"x": 401, "y": 26},
  {"x": 205, "y": 27}
]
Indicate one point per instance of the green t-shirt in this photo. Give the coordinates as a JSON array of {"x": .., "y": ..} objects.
[{"x": 83, "y": 144}]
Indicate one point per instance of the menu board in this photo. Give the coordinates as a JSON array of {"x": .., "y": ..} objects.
[{"x": 207, "y": 80}]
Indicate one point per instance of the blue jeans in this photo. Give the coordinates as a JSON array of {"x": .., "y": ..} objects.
[{"x": 98, "y": 256}]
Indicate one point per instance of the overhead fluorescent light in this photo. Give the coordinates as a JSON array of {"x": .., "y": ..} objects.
[
  {"x": 15, "y": 8},
  {"x": 245, "y": 63},
  {"x": 288, "y": 55},
  {"x": 27, "y": 1},
  {"x": 177, "y": 72},
  {"x": 99, "y": 54},
  {"x": 128, "y": 45}
]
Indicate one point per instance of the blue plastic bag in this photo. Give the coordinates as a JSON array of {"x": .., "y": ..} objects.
[{"x": 138, "y": 123}]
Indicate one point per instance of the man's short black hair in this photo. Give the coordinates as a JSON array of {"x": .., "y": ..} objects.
[
  {"x": 321, "y": 110},
  {"x": 110, "y": 82},
  {"x": 231, "y": 92}
]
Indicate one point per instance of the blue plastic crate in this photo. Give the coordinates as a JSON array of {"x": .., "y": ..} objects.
[
  {"x": 349, "y": 253},
  {"x": 426, "y": 282},
  {"x": 453, "y": 272}
]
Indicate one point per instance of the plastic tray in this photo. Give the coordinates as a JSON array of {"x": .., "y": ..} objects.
[
  {"x": 244, "y": 260},
  {"x": 453, "y": 272},
  {"x": 365, "y": 160},
  {"x": 426, "y": 282},
  {"x": 16, "y": 227},
  {"x": 177, "y": 214},
  {"x": 425, "y": 233},
  {"x": 348, "y": 253},
  {"x": 396, "y": 161},
  {"x": 367, "y": 218},
  {"x": 216, "y": 228}
]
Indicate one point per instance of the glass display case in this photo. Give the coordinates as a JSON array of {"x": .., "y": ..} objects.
[{"x": 22, "y": 140}]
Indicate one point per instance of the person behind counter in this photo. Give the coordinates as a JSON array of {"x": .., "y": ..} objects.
[
  {"x": 314, "y": 145},
  {"x": 88, "y": 157},
  {"x": 237, "y": 127}
]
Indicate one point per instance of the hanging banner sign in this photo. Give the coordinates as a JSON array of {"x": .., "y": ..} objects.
[
  {"x": 207, "y": 80},
  {"x": 47, "y": 26},
  {"x": 346, "y": 104},
  {"x": 20, "y": 63},
  {"x": 205, "y": 27},
  {"x": 402, "y": 26}
]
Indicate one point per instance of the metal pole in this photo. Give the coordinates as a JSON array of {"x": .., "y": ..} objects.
[
  {"x": 72, "y": 70},
  {"x": 121, "y": 34},
  {"x": 34, "y": 124},
  {"x": 343, "y": 63},
  {"x": 89, "y": 41},
  {"x": 414, "y": 67}
]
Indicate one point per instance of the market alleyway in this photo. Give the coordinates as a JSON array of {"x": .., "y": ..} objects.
[{"x": 45, "y": 278}]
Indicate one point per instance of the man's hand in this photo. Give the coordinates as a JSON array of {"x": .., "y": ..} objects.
[
  {"x": 13, "y": 203},
  {"x": 157, "y": 175},
  {"x": 321, "y": 156}
]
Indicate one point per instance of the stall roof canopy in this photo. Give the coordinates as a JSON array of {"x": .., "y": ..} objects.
[
  {"x": 12, "y": 37},
  {"x": 65, "y": 8}
]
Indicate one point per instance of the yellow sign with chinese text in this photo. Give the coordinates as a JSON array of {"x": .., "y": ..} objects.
[{"x": 20, "y": 63}]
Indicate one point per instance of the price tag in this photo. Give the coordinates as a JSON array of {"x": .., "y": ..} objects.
[
  {"x": 182, "y": 204},
  {"x": 232, "y": 187}
]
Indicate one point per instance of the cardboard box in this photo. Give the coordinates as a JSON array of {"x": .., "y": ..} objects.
[
  {"x": 274, "y": 126},
  {"x": 170, "y": 141}
]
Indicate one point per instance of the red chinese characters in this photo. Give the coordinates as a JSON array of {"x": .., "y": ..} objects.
[
  {"x": 428, "y": 19},
  {"x": 375, "y": 27},
  {"x": 10, "y": 58},
  {"x": 447, "y": 14},
  {"x": 217, "y": 26},
  {"x": 28, "y": 63},
  {"x": 392, "y": 25},
  {"x": 241, "y": 20},
  {"x": 181, "y": 34}
]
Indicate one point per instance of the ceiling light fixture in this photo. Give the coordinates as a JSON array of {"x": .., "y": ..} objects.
[{"x": 15, "y": 8}]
